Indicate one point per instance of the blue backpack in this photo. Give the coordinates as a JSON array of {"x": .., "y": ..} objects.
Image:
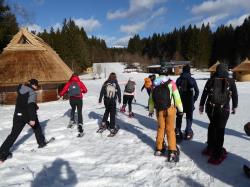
[{"x": 74, "y": 89}]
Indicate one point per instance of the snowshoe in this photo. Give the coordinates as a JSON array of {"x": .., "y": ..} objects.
[
  {"x": 123, "y": 109},
  {"x": 158, "y": 153},
  {"x": 173, "y": 156},
  {"x": 46, "y": 142},
  {"x": 71, "y": 124},
  {"x": 189, "y": 135},
  {"x": 246, "y": 169},
  {"x": 80, "y": 134},
  {"x": 102, "y": 127},
  {"x": 217, "y": 160},
  {"x": 131, "y": 114},
  {"x": 113, "y": 132}
]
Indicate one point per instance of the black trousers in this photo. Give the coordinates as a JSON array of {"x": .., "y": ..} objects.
[
  {"x": 127, "y": 99},
  {"x": 76, "y": 103},
  {"x": 189, "y": 120},
  {"x": 218, "y": 119},
  {"x": 18, "y": 124},
  {"x": 110, "y": 106}
]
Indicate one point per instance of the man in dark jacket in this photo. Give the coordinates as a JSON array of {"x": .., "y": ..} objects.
[
  {"x": 111, "y": 92},
  {"x": 25, "y": 113},
  {"x": 189, "y": 93},
  {"x": 218, "y": 114}
]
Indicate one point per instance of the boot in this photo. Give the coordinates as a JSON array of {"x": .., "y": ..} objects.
[{"x": 123, "y": 108}]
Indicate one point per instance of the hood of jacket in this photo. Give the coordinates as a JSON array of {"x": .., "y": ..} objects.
[{"x": 74, "y": 78}]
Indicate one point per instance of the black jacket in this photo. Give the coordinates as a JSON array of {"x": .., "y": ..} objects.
[
  {"x": 103, "y": 91},
  {"x": 188, "y": 99},
  {"x": 26, "y": 106},
  {"x": 206, "y": 98}
]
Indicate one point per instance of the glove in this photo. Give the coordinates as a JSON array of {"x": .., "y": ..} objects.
[
  {"x": 180, "y": 113},
  {"x": 233, "y": 111},
  {"x": 135, "y": 100},
  {"x": 201, "y": 109},
  {"x": 151, "y": 114}
]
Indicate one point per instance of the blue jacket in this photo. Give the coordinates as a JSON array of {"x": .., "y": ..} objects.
[{"x": 188, "y": 99}]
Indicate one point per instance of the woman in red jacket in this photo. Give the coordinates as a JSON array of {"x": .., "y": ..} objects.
[{"x": 75, "y": 89}]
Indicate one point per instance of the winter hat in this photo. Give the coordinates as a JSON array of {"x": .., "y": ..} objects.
[
  {"x": 186, "y": 69},
  {"x": 131, "y": 78},
  {"x": 247, "y": 128},
  {"x": 222, "y": 67},
  {"x": 33, "y": 82}
]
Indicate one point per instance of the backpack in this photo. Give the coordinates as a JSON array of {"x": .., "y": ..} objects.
[
  {"x": 74, "y": 89},
  {"x": 22, "y": 99},
  {"x": 130, "y": 87},
  {"x": 147, "y": 83},
  {"x": 161, "y": 96},
  {"x": 184, "y": 86},
  {"x": 219, "y": 91},
  {"x": 110, "y": 90}
]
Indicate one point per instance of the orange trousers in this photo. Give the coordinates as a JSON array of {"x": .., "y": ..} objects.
[{"x": 166, "y": 124}]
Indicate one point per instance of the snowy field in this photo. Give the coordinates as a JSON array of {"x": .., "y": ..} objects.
[{"x": 128, "y": 158}]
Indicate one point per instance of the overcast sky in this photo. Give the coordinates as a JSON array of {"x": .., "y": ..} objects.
[{"x": 118, "y": 20}]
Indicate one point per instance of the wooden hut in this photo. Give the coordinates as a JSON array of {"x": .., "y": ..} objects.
[
  {"x": 242, "y": 71},
  {"x": 174, "y": 67},
  {"x": 28, "y": 56}
]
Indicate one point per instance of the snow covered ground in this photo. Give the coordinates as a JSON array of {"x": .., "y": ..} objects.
[{"x": 126, "y": 159}]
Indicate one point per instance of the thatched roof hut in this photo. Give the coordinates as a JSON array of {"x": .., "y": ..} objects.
[
  {"x": 213, "y": 67},
  {"x": 28, "y": 56},
  {"x": 242, "y": 71}
]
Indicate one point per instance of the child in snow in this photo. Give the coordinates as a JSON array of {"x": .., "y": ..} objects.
[
  {"x": 166, "y": 115},
  {"x": 189, "y": 93},
  {"x": 148, "y": 84},
  {"x": 75, "y": 89},
  {"x": 25, "y": 113},
  {"x": 128, "y": 96},
  {"x": 217, "y": 93},
  {"x": 111, "y": 92}
]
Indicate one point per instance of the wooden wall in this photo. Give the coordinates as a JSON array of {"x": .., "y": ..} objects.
[
  {"x": 242, "y": 76},
  {"x": 46, "y": 93}
]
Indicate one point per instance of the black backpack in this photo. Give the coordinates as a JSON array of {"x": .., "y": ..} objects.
[
  {"x": 130, "y": 87},
  {"x": 219, "y": 91},
  {"x": 22, "y": 99},
  {"x": 161, "y": 96},
  {"x": 74, "y": 89},
  {"x": 185, "y": 86}
]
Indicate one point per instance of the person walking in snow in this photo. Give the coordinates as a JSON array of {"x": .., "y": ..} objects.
[
  {"x": 128, "y": 96},
  {"x": 25, "y": 113},
  {"x": 165, "y": 98},
  {"x": 189, "y": 93},
  {"x": 217, "y": 93},
  {"x": 75, "y": 89},
  {"x": 148, "y": 84},
  {"x": 111, "y": 92}
]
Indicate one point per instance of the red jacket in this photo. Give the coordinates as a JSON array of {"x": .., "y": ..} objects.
[{"x": 76, "y": 79}]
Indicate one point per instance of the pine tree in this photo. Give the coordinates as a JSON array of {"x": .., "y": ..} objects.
[{"x": 8, "y": 25}]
